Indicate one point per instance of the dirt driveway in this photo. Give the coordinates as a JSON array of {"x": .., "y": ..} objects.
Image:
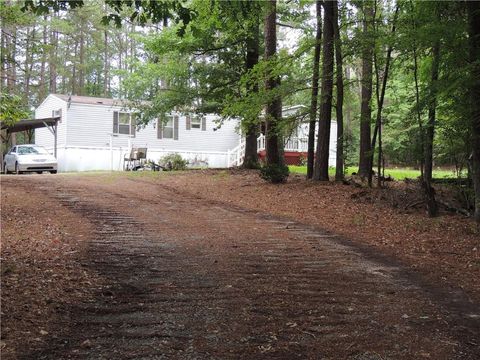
[{"x": 187, "y": 278}]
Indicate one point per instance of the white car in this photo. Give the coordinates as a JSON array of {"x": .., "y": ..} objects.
[{"x": 29, "y": 158}]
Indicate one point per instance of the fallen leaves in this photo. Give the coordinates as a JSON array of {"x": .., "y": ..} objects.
[
  {"x": 40, "y": 266},
  {"x": 441, "y": 247}
]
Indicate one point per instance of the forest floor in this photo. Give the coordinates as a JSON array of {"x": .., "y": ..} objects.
[{"x": 219, "y": 264}]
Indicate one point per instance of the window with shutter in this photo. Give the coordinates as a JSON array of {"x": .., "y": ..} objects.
[
  {"x": 168, "y": 127},
  {"x": 188, "y": 122},
  {"x": 196, "y": 122},
  {"x": 124, "y": 123}
]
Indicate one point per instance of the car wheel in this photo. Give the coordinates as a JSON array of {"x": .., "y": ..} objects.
[
  {"x": 17, "y": 170},
  {"x": 53, "y": 172},
  {"x": 39, "y": 172}
]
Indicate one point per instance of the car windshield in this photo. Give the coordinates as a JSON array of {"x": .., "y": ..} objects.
[{"x": 28, "y": 150}]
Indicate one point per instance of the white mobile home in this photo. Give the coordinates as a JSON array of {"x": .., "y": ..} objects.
[{"x": 98, "y": 133}]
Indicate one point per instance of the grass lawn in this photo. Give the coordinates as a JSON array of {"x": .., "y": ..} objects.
[{"x": 396, "y": 173}]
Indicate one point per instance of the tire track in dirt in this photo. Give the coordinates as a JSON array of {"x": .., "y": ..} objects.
[{"x": 198, "y": 280}]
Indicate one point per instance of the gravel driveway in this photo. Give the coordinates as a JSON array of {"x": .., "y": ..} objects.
[{"x": 194, "y": 279}]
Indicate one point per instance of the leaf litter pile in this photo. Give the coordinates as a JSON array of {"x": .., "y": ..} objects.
[
  {"x": 445, "y": 250},
  {"x": 42, "y": 246}
]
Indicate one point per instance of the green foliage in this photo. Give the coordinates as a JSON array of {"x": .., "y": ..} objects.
[
  {"x": 141, "y": 12},
  {"x": 12, "y": 109},
  {"x": 397, "y": 173},
  {"x": 199, "y": 68},
  {"x": 190, "y": 56},
  {"x": 275, "y": 174},
  {"x": 173, "y": 162}
]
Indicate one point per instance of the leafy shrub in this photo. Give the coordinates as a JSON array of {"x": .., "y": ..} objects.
[
  {"x": 174, "y": 162},
  {"x": 274, "y": 173}
]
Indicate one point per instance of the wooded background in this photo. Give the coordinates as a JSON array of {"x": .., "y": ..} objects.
[{"x": 401, "y": 78}]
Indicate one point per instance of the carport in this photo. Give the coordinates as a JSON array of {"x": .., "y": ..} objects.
[{"x": 32, "y": 124}]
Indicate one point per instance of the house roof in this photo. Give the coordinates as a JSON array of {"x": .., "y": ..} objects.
[{"x": 77, "y": 99}]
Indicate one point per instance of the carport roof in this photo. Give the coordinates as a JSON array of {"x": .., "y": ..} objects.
[{"x": 30, "y": 124}]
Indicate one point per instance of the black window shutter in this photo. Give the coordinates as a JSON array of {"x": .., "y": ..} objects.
[
  {"x": 133, "y": 124},
  {"x": 204, "y": 123},
  {"x": 175, "y": 127},
  {"x": 115, "y": 122},
  {"x": 159, "y": 128},
  {"x": 188, "y": 122}
]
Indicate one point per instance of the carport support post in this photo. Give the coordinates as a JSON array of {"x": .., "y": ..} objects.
[{"x": 55, "y": 143}]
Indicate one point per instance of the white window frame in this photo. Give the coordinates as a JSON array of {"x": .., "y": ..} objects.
[
  {"x": 130, "y": 116},
  {"x": 164, "y": 125},
  {"x": 196, "y": 122}
]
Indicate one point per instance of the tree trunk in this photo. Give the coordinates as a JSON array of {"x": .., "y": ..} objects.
[
  {"x": 132, "y": 48},
  {"x": 120, "y": 59},
  {"x": 28, "y": 62},
  {"x": 473, "y": 9},
  {"x": 323, "y": 143},
  {"x": 347, "y": 131},
  {"x": 73, "y": 79},
  {"x": 11, "y": 69},
  {"x": 380, "y": 178},
  {"x": 66, "y": 53},
  {"x": 106, "y": 65},
  {"x": 366, "y": 110},
  {"x": 126, "y": 49},
  {"x": 253, "y": 53},
  {"x": 81, "y": 65},
  {"x": 3, "y": 57},
  {"x": 339, "y": 168},
  {"x": 429, "y": 135},
  {"x": 380, "y": 101},
  {"x": 314, "y": 100},
  {"x": 52, "y": 61},
  {"x": 418, "y": 110},
  {"x": 273, "y": 109},
  {"x": 43, "y": 83}
]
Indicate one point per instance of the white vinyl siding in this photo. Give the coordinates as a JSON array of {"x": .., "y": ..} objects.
[
  {"x": 92, "y": 125},
  {"x": 48, "y": 107}
]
